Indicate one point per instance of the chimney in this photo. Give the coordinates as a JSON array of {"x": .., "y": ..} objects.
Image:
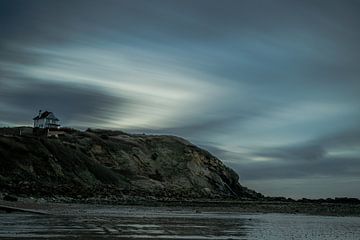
[{"x": 40, "y": 113}]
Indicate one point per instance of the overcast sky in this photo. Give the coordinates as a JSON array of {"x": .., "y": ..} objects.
[{"x": 272, "y": 88}]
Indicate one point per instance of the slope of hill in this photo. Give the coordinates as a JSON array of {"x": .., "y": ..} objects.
[{"x": 102, "y": 163}]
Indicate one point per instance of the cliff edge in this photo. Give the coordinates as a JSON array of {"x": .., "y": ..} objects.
[{"x": 103, "y": 163}]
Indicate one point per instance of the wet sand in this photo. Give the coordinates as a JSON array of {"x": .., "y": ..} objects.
[{"x": 84, "y": 221}]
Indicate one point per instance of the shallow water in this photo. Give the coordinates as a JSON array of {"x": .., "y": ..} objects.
[{"x": 167, "y": 223}]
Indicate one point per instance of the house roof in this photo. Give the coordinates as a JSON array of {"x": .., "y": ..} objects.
[{"x": 46, "y": 114}]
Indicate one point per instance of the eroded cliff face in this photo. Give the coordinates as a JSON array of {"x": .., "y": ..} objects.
[{"x": 113, "y": 163}]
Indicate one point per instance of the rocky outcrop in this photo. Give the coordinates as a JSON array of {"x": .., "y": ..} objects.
[{"x": 114, "y": 163}]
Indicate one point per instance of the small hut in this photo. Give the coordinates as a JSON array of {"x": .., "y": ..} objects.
[{"x": 46, "y": 123}]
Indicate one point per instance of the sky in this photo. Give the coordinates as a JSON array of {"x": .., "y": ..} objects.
[{"x": 271, "y": 88}]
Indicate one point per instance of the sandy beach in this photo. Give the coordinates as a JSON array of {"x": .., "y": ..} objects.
[{"x": 246, "y": 221}]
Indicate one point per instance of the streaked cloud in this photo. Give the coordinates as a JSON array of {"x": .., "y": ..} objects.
[{"x": 271, "y": 87}]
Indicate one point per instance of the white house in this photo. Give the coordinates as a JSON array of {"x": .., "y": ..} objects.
[{"x": 46, "y": 120}]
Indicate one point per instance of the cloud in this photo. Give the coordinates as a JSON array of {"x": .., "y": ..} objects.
[
  {"x": 160, "y": 91},
  {"x": 270, "y": 87},
  {"x": 336, "y": 155},
  {"x": 72, "y": 104}
]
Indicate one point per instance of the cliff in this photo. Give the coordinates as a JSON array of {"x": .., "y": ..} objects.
[{"x": 114, "y": 164}]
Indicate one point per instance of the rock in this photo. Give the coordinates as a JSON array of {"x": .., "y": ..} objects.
[
  {"x": 10, "y": 198},
  {"x": 108, "y": 163}
]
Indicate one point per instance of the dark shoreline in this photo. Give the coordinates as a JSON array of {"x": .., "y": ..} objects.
[{"x": 230, "y": 206}]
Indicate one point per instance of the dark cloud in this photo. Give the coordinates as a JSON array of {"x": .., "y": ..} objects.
[
  {"x": 302, "y": 160},
  {"x": 347, "y": 138},
  {"x": 279, "y": 78},
  {"x": 213, "y": 124},
  {"x": 69, "y": 102},
  {"x": 328, "y": 166},
  {"x": 294, "y": 153}
]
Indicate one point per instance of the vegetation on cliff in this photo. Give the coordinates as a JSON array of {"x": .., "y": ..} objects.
[{"x": 102, "y": 163}]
